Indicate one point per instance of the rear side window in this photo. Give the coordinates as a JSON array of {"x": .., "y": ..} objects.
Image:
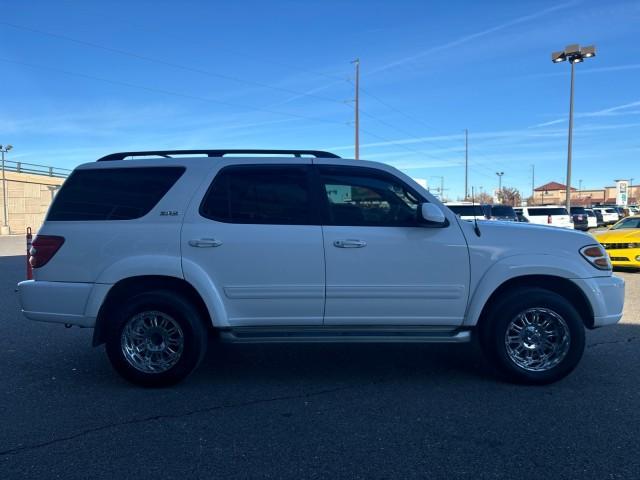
[
  {"x": 113, "y": 193},
  {"x": 468, "y": 210},
  {"x": 534, "y": 212},
  {"x": 502, "y": 211},
  {"x": 265, "y": 194}
]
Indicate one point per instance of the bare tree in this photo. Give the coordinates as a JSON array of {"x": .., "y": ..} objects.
[
  {"x": 481, "y": 197},
  {"x": 510, "y": 196}
]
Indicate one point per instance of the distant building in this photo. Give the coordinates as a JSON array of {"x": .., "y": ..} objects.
[{"x": 555, "y": 193}]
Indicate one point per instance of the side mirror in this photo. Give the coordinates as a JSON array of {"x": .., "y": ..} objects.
[{"x": 431, "y": 214}]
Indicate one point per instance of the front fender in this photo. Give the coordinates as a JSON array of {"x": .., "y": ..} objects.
[{"x": 524, "y": 265}]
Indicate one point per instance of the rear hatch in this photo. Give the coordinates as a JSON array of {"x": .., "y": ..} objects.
[{"x": 555, "y": 216}]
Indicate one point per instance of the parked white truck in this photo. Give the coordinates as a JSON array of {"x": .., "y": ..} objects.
[{"x": 161, "y": 251}]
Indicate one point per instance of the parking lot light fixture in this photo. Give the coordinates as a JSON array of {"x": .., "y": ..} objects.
[
  {"x": 4, "y": 230},
  {"x": 574, "y": 54}
]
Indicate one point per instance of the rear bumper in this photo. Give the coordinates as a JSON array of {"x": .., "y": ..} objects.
[
  {"x": 61, "y": 302},
  {"x": 606, "y": 295}
]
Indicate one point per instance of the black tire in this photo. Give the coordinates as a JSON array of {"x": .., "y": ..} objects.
[
  {"x": 494, "y": 327},
  {"x": 182, "y": 311}
]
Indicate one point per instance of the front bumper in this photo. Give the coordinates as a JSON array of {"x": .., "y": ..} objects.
[
  {"x": 61, "y": 302},
  {"x": 606, "y": 295},
  {"x": 625, "y": 257}
]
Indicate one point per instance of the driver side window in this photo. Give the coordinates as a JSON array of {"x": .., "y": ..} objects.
[{"x": 358, "y": 197}]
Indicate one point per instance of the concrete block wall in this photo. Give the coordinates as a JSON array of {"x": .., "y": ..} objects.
[{"x": 28, "y": 198}]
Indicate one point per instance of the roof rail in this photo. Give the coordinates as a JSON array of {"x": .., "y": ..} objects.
[{"x": 215, "y": 153}]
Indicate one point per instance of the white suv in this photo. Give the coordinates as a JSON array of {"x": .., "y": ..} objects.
[
  {"x": 551, "y": 215},
  {"x": 160, "y": 254}
]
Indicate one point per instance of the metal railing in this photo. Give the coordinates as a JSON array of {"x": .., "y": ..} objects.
[{"x": 35, "y": 169}]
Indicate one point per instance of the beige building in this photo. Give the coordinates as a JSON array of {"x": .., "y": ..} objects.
[
  {"x": 554, "y": 193},
  {"x": 29, "y": 191}
]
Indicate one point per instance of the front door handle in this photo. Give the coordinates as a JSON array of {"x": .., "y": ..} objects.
[
  {"x": 349, "y": 243},
  {"x": 205, "y": 242}
]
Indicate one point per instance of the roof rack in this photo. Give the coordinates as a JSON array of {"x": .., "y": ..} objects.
[{"x": 215, "y": 153}]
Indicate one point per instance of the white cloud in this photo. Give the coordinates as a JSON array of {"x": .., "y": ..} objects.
[{"x": 474, "y": 36}]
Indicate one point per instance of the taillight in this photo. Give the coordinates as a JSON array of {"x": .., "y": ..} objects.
[
  {"x": 43, "y": 248},
  {"x": 596, "y": 256},
  {"x": 549, "y": 219}
]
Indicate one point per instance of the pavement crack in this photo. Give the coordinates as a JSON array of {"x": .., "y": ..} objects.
[
  {"x": 624, "y": 340},
  {"x": 169, "y": 416}
]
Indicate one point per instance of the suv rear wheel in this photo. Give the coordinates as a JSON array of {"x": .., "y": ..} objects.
[
  {"x": 533, "y": 335},
  {"x": 157, "y": 339}
]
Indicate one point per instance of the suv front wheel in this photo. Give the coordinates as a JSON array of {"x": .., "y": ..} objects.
[
  {"x": 533, "y": 335},
  {"x": 157, "y": 339}
]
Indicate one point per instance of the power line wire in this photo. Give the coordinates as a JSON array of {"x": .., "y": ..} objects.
[
  {"x": 171, "y": 93},
  {"x": 172, "y": 64}
]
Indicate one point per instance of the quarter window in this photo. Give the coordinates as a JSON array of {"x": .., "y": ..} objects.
[
  {"x": 359, "y": 198},
  {"x": 112, "y": 193},
  {"x": 270, "y": 194}
]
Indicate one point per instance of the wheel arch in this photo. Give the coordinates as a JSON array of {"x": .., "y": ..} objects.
[
  {"x": 560, "y": 285},
  {"x": 129, "y": 286}
]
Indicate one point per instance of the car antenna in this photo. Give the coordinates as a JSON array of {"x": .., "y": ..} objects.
[{"x": 475, "y": 218}]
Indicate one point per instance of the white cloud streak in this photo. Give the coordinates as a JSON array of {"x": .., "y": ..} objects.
[{"x": 474, "y": 36}]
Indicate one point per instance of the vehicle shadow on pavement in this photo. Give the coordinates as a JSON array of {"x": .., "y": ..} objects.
[{"x": 340, "y": 362}]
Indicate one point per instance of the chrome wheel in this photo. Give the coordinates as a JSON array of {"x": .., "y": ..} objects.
[
  {"x": 152, "y": 342},
  {"x": 537, "y": 339}
]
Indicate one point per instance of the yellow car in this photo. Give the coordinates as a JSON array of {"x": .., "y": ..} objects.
[{"x": 622, "y": 242}]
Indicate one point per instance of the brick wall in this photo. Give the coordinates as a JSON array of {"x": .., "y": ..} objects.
[{"x": 28, "y": 198}]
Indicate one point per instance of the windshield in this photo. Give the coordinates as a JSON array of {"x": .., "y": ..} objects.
[
  {"x": 578, "y": 210},
  {"x": 627, "y": 223},
  {"x": 467, "y": 210},
  {"x": 547, "y": 211}
]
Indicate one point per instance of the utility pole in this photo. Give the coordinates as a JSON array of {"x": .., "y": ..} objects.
[
  {"x": 580, "y": 188},
  {"x": 357, "y": 109},
  {"x": 533, "y": 181},
  {"x": 466, "y": 162},
  {"x": 441, "y": 190},
  {"x": 631, "y": 189}
]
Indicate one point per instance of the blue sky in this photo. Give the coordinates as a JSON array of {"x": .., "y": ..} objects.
[{"x": 82, "y": 79}]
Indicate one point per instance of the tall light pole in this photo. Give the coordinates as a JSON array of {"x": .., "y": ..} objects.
[
  {"x": 500, "y": 174},
  {"x": 574, "y": 54},
  {"x": 4, "y": 230},
  {"x": 357, "y": 109}
]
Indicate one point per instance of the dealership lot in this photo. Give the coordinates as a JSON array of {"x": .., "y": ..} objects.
[{"x": 300, "y": 411}]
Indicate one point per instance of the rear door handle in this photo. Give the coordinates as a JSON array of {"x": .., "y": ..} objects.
[
  {"x": 205, "y": 242},
  {"x": 349, "y": 243}
]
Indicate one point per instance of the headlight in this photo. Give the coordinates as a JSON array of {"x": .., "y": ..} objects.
[
  {"x": 596, "y": 256},
  {"x": 634, "y": 245}
]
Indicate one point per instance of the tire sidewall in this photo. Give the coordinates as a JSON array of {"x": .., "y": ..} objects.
[
  {"x": 183, "y": 312},
  {"x": 507, "y": 309}
]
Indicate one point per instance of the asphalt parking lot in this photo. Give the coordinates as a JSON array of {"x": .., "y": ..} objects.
[{"x": 341, "y": 411}]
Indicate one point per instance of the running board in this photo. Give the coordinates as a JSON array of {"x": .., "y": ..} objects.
[{"x": 334, "y": 334}]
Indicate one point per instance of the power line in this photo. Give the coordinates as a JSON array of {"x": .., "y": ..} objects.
[
  {"x": 172, "y": 93},
  {"x": 173, "y": 64},
  {"x": 419, "y": 120}
]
